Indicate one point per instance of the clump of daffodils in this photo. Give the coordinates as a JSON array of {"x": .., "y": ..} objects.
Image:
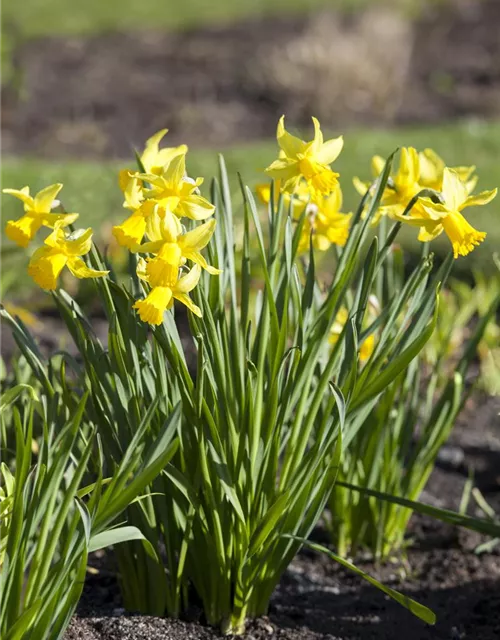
[
  {"x": 160, "y": 197},
  {"x": 308, "y": 184},
  {"x": 170, "y": 222},
  {"x": 452, "y": 187},
  {"x": 61, "y": 249}
]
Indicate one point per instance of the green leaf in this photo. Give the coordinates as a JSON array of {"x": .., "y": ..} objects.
[
  {"x": 399, "y": 364},
  {"x": 486, "y": 527},
  {"x": 118, "y": 535},
  {"x": 11, "y": 395},
  {"x": 268, "y": 523},
  {"x": 414, "y": 607}
]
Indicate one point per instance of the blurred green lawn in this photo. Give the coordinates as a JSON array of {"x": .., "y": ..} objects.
[
  {"x": 90, "y": 187},
  {"x": 60, "y": 17}
]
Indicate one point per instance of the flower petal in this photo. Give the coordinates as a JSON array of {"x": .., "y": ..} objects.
[
  {"x": 148, "y": 247},
  {"x": 360, "y": 186},
  {"x": 176, "y": 170},
  {"x": 431, "y": 169},
  {"x": 130, "y": 233},
  {"x": 195, "y": 207},
  {"x": 330, "y": 150},
  {"x": 428, "y": 234},
  {"x": 133, "y": 194},
  {"x": 198, "y": 258},
  {"x": 23, "y": 195},
  {"x": 61, "y": 219},
  {"x": 454, "y": 190},
  {"x": 480, "y": 198},
  {"x": 186, "y": 300},
  {"x": 165, "y": 156},
  {"x": 44, "y": 199},
  {"x": 198, "y": 238},
  {"x": 150, "y": 153},
  {"x": 80, "y": 270},
  {"x": 283, "y": 169},
  {"x": 288, "y": 143},
  {"x": 79, "y": 243},
  {"x": 187, "y": 283}
]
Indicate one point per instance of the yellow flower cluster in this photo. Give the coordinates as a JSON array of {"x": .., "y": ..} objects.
[
  {"x": 306, "y": 180},
  {"x": 303, "y": 175},
  {"x": 159, "y": 197},
  {"x": 60, "y": 249},
  {"x": 454, "y": 186}
]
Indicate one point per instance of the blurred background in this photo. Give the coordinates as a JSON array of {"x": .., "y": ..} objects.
[{"x": 84, "y": 83}]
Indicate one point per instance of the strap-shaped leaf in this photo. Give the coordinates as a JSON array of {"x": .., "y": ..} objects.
[
  {"x": 486, "y": 527},
  {"x": 413, "y": 606},
  {"x": 392, "y": 370}
]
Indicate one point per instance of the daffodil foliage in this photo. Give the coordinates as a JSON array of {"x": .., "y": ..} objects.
[
  {"x": 52, "y": 517},
  {"x": 275, "y": 376}
]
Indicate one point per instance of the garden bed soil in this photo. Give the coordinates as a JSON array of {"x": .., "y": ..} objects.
[
  {"x": 316, "y": 599},
  {"x": 102, "y": 95}
]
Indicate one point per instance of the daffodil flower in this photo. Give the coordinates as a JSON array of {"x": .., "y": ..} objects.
[
  {"x": 166, "y": 232},
  {"x": 61, "y": 251},
  {"x": 130, "y": 232},
  {"x": 153, "y": 159},
  {"x": 172, "y": 190},
  {"x": 37, "y": 213},
  {"x": 434, "y": 218},
  {"x": 161, "y": 297},
  {"x": 417, "y": 171},
  {"x": 326, "y": 223},
  {"x": 432, "y": 170},
  {"x": 309, "y": 161},
  {"x": 405, "y": 184}
]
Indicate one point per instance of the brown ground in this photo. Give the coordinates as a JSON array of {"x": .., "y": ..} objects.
[
  {"x": 318, "y": 600},
  {"x": 98, "y": 96}
]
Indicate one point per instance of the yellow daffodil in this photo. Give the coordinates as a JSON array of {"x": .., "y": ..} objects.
[
  {"x": 432, "y": 169},
  {"x": 405, "y": 183},
  {"x": 165, "y": 233},
  {"x": 37, "y": 213},
  {"x": 309, "y": 161},
  {"x": 172, "y": 190},
  {"x": 153, "y": 159},
  {"x": 417, "y": 171},
  {"x": 326, "y": 223},
  {"x": 161, "y": 297},
  {"x": 130, "y": 232},
  {"x": 434, "y": 218},
  {"x": 59, "y": 251}
]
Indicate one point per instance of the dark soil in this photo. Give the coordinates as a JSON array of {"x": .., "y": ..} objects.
[
  {"x": 317, "y": 599},
  {"x": 99, "y": 96}
]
